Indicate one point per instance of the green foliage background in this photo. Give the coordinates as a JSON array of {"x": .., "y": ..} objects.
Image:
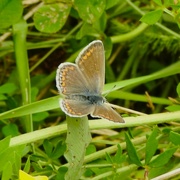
[{"x": 141, "y": 40}]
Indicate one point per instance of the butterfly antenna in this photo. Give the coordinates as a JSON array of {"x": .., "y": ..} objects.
[
  {"x": 120, "y": 107},
  {"x": 109, "y": 91}
]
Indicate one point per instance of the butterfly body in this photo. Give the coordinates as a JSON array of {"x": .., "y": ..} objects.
[
  {"x": 91, "y": 99},
  {"x": 82, "y": 84}
]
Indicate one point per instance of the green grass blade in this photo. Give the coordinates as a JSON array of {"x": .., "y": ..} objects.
[
  {"x": 19, "y": 36},
  {"x": 52, "y": 103}
]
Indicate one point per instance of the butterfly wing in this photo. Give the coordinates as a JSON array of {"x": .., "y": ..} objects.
[
  {"x": 69, "y": 79},
  {"x": 105, "y": 111},
  {"x": 83, "y": 79},
  {"x": 76, "y": 108},
  {"x": 91, "y": 62}
]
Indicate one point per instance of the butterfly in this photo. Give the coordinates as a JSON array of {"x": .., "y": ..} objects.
[{"x": 82, "y": 84}]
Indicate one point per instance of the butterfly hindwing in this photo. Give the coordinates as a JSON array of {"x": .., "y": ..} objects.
[
  {"x": 69, "y": 79},
  {"x": 76, "y": 108},
  {"x": 105, "y": 111}
]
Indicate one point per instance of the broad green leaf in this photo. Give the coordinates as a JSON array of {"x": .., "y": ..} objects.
[
  {"x": 118, "y": 154},
  {"x": 34, "y": 93},
  {"x": 151, "y": 145},
  {"x": 173, "y": 108},
  {"x": 11, "y": 102},
  {"x": 108, "y": 46},
  {"x": 27, "y": 165},
  {"x": 90, "y": 149},
  {"x": 110, "y": 76},
  {"x": 51, "y": 18},
  {"x": 152, "y": 17},
  {"x": 58, "y": 151},
  {"x": 174, "y": 138},
  {"x": 132, "y": 154},
  {"x": 10, "y": 12},
  {"x": 78, "y": 138},
  {"x": 109, "y": 158},
  {"x": 7, "y": 171},
  {"x": 90, "y": 11},
  {"x": 61, "y": 173},
  {"x": 8, "y": 155},
  {"x": 8, "y": 88},
  {"x": 39, "y": 79},
  {"x": 158, "y": 2},
  {"x": 17, "y": 163},
  {"x": 4, "y": 144},
  {"x": 86, "y": 29},
  {"x": 163, "y": 158},
  {"x": 100, "y": 24},
  {"x": 171, "y": 3},
  {"x": 10, "y": 130},
  {"x": 119, "y": 157},
  {"x": 2, "y": 97},
  {"x": 48, "y": 147},
  {"x": 110, "y": 4},
  {"x": 40, "y": 116}
]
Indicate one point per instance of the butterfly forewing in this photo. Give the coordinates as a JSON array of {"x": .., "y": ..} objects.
[
  {"x": 69, "y": 79},
  {"x": 91, "y": 62}
]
